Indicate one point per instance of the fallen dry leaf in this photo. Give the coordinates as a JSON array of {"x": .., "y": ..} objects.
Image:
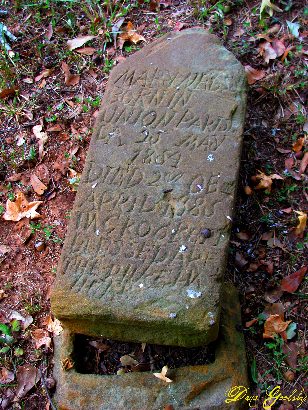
[
  {"x": 273, "y": 295},
  {"x": 267, "y": 51},
  {"x": 298, "y": 145},
  {"x": 289, "y": 163},
  {"x": 269, "y": 267},
  {"x": 8, "y": 92},
  {"x": 275, "y": 243},
  {"x": 253, "y": 75},
  {"x": 162, "y": 375},
  {"x": 67, "y": 363},
  {"x": 248, "y": 190},
  {"x": 86, "y": 51},
  {"x": 69, "y": 79},
  {"x": 21, "y": 208},
  {"x": 165, "y": 3},
  {"x": 239, "y": 32},
  {"x": 228, "y": 21},
  {"x": 37, "y": 185},
  {"x": 49, "y": 32},
  {"x": 253, "y": 267},
  {"x": 291, "y": 352},
  {"x": 178, "y": 26},
  {"x": 25, "y": 320},
  {"x": 42, "y": 138},
  {"x": 44, "y": 74},
  {"x": 240, "y": 260},
  {"x": 291, "y": 283},
  {"x": 267, "y": 235},
  {"x": 78, "y": 42},
  {"x": 127, "y": 360},
  {"x": 243, "y": 235},
  {"x": 56, "y": 128},
  {"x": 275, "y": 309},
  {"x": 265, "y": 181},
  {"x": 303, "y": 164},
  {"x": 20, "y": 140},
  {"x": 289, "y": 375},
  {"x": 53, "y": 326},
  {"x": 6, "y": 376},
  {"x": 27, "y": 377},
  {"x": 251, "y": 322},
  {"x": 2, "y": 293},
  {"x": 287, "y": 210},
  {"x": 279, "y": 47},
  {"x": 74, "y": 179},
  {"x": 99, "y": 345},
  {"x": 154, "y": 5},
  {"x": 269, "y": 6},
  {"x": 283, "y": 150},
  {"x": 129, "y": 34},
  {"x": 42, "y": 172},
  {"x": 273, "y": 326},
  {"x": 286, "y": 53},
  {"x": 41, "y": 338},
  {"x": 300, "y": 228},
  {"x": 3, "y": 251},
  {"x": 15, "y": 177},
  {"x": 274, "y": 29}
]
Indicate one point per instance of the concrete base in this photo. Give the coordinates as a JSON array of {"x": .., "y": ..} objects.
[{"x": 194, "y": 387}]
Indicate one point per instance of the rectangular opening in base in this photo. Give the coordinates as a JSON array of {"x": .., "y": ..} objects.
[{"x": 108, "y": 357}]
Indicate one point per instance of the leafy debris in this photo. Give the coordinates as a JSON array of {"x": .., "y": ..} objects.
[{"x": 21, "y": 208}]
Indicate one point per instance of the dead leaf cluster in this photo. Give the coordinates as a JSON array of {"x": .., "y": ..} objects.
[
  {"x": 21, "y": 208},
  {"x": 69, "y": 78},
  {"x": 271, "y": 50},
  {"x": 130, "y": 35},
  {"x": 265, "y": 181}
]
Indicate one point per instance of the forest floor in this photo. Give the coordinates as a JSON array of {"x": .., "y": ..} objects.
[{"x": 51, "y": 87}]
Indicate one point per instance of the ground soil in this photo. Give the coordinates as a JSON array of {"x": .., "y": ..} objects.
[{"x": 265, "y": 246}]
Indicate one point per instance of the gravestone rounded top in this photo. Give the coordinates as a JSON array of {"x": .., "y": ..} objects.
[{"x": 161, "y": 170}]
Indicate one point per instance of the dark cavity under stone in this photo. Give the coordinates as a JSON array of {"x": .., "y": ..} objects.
[{"x": 102, "y": 356}]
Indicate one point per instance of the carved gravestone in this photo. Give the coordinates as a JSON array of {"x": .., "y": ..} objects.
[{"x": 147, "y": 243}]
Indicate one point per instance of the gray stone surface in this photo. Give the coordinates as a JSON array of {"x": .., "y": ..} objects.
[
  {"x": 162, "y": 167},
  {"x": 194, "y": 387}
]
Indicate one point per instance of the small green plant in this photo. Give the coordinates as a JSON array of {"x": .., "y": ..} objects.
[
  {"x": 285, "y": 193},
  {"x": 277, "y": 355},
  {"x": 35, "y": 227},
  {"x": 128, "y": 49},
  {"x": 32, "y": 308},
  {"x": 52, "y": 118},
  {"x": 74, "y": 182},
  {"x": 108, "y": 64},
  {"x": 158, "y": 26},
  {"x": 11, "y": 196},
  {"x": 9, "y": 335},
  {"x": 47, "y": 230},
  {"x": 32, "y": 153},
  {"x": 1, "y": 209},
  {"x": 85, "y": 108}
]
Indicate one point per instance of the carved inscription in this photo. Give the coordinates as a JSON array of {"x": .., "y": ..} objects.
[{"x": 164, "y": 150}]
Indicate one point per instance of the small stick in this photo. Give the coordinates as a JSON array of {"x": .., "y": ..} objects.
[{"x": 46, "y": 390}]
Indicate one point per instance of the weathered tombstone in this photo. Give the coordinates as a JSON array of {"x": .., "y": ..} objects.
[{"x": 147, "y": 243}]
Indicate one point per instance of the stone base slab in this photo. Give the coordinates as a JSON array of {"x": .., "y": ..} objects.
[{"x": 195, "y": 387}]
